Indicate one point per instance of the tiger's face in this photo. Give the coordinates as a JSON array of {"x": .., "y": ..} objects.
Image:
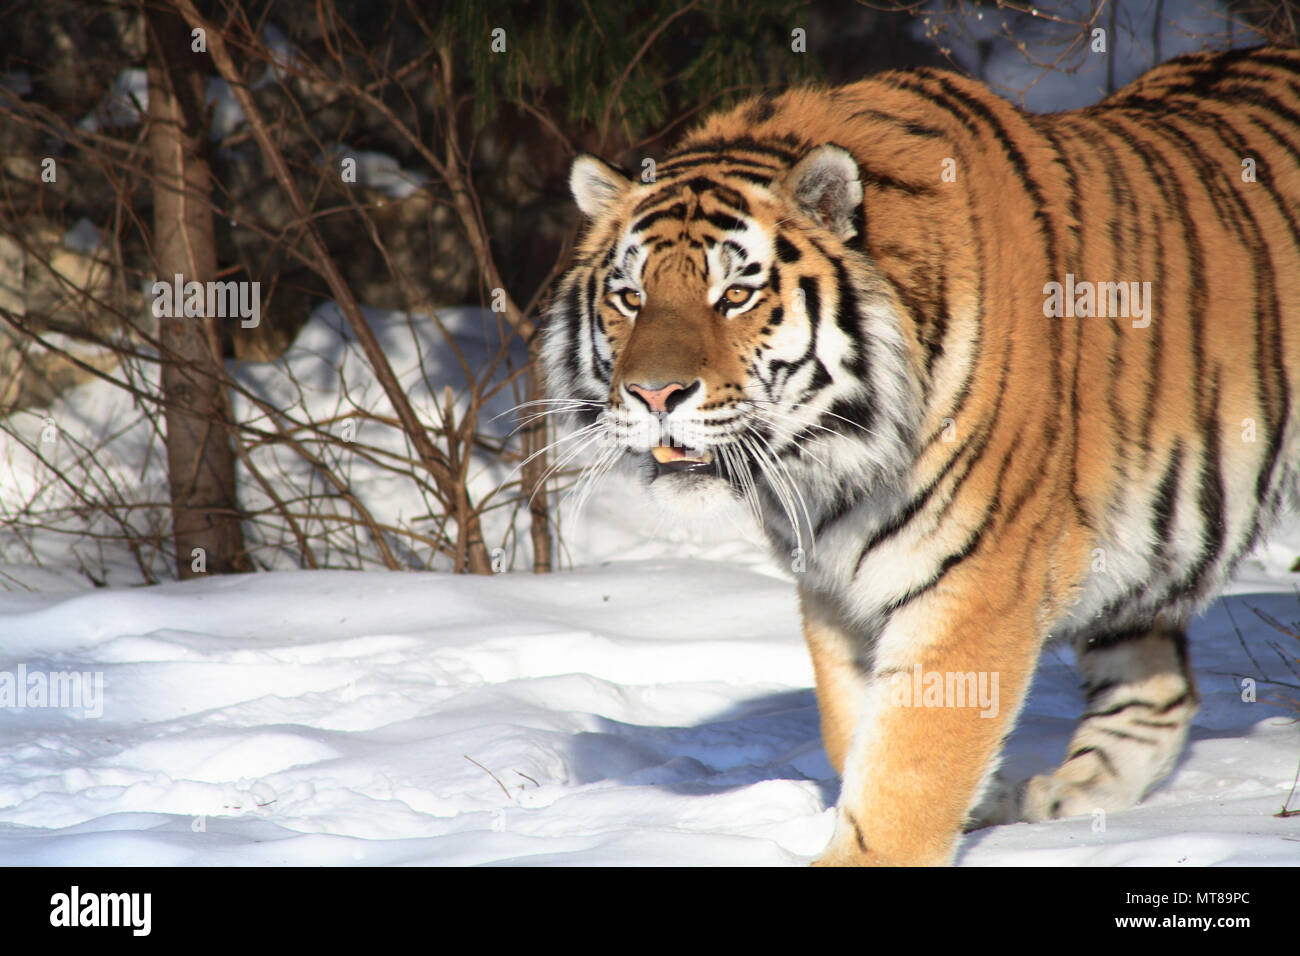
[{"x": 717, "y": 329}]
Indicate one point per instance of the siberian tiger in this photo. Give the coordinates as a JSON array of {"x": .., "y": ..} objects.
[{"x": 991, "y": 378}]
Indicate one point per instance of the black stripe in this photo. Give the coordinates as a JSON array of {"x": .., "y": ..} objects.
[
  {"x": 1178, "y": 701},
  {"x": 663, "y": 194},
  {"x": 787, "y": 151},
  {"x": 885, "y": 181},
  {"x": 569, "y": 316},
  {"x": 909, "y": 126},
  {"x": 848, "y": 317},
  {"x": 904, "y": 515},
  {"x": 1166, "y": 502},
  {"x": 598, "y": 371},
  {"x": 675, "y": 164},
  {"x": 675, "y": 211},
  {"x": 1106, "y": 640},
  {"x": 1283, "y": 107},
  {"x": 857, "y": 831},
  {"x": 859, "y": 410},
  {"x": 1096, "y": 690},
  {"x": 761, "y": 109},
  {"x": 914, "y": 82},
  {"x": 1118, "y": 708},
  {"x": 786, "y": 251},
  {"x": 724, "y": 222},
  {"x": 1101, "y": 756},
  {"x": 819, "y": 380},
  {"x": 1211, "y": 497},
  {"x": 936, "y": 325},
  {"x": 1125, "y": 735},
  {"x": 1098, "y": 135},
  {"x": 1214, "y": 81}
]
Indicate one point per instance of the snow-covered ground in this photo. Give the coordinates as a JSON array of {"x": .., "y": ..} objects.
[{"x": 643, "y": 712}]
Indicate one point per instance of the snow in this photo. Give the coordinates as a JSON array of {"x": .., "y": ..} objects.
[
  {"x": 1062, "y": 66},
  {"x": 641, "y": 712},
  {"x": 305, "y": 388},
  {"x": 124, "y": 105},
  {"x": 85, "y": 237},
  {"x": 127, "y": 103},
  {"x": 379, "y": 171}
]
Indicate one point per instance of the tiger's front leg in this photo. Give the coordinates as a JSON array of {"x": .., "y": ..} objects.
[{"x": 949, "y": 676}]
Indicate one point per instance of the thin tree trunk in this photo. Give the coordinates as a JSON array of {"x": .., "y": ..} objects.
[
  {"x": 473, "y": 552},
  {"x": 533, "y": 479},
  {"x": 200, "y": 460}
]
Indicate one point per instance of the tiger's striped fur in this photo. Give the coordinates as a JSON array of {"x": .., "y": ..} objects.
[{"x": 967, "y": 477}]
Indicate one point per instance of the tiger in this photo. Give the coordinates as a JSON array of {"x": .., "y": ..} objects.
[{"x": 989, "y": 380}]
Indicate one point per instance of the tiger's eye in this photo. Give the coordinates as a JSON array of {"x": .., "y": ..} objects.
[
  {"x": 632, "y": 300},
  {"x": 738, "y": 294}
]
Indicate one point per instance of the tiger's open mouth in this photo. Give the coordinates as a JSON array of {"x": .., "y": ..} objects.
[{"x": 677, "y": 461}]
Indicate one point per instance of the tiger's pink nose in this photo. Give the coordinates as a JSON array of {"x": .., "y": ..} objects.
[{"x": 658, "y": 398}]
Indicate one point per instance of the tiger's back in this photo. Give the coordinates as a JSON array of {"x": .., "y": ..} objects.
[
  {"x": 1149, "y": 187},
  {"x": 1075, "y": 341}
]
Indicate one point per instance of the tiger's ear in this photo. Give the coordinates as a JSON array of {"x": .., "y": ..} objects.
[
  {"x": 596, "y": 185},
  {"x": 826, "y": 187}
]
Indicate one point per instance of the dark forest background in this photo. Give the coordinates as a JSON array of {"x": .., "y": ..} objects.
[{"x": 213, "y": 140}]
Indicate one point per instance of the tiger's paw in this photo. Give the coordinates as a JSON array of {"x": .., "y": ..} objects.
[{"x": 1049, "y": 797}]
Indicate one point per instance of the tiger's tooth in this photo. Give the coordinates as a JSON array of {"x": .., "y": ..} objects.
[{"x": 664, "y": 454}]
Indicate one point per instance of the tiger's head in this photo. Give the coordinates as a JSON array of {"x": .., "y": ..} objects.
[{"x": 720, "y": 329}]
